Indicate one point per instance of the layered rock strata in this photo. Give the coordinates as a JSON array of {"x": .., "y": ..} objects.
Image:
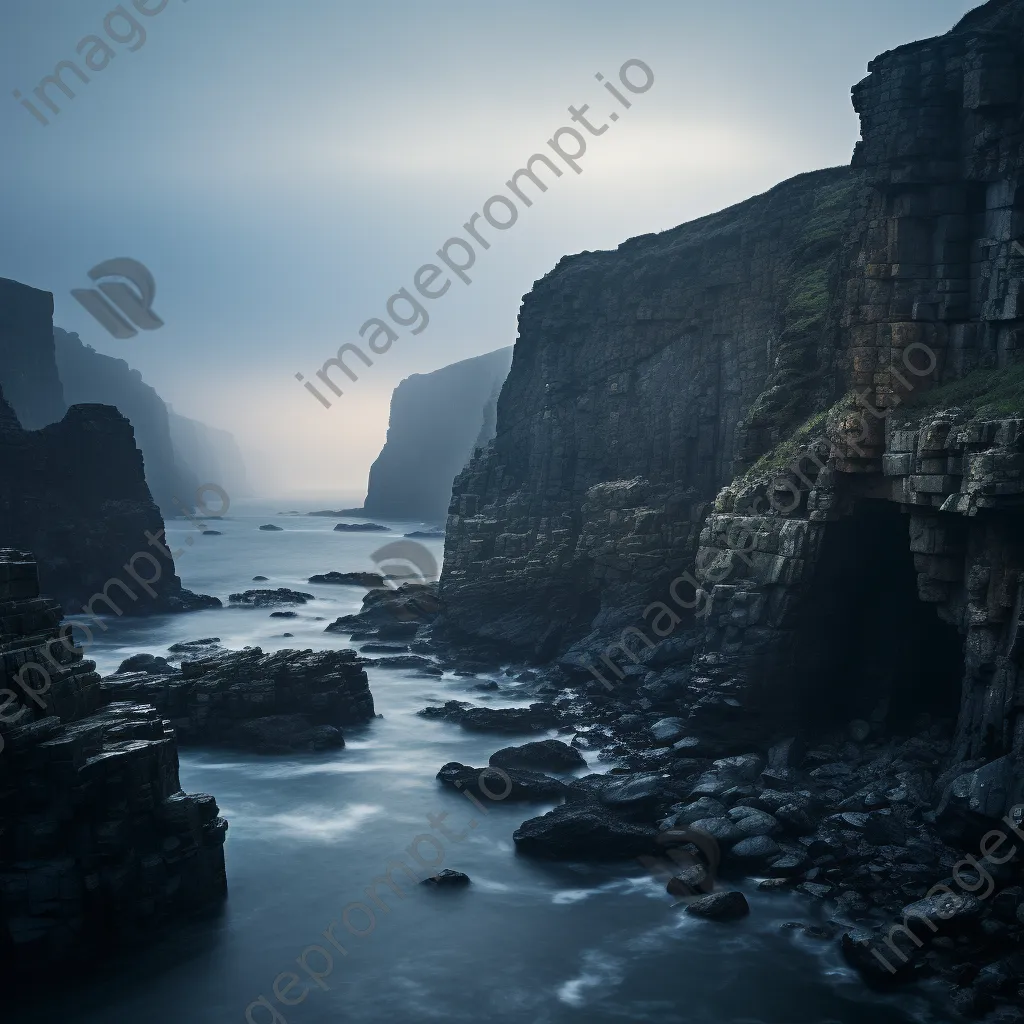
[{"x": 99, "y": 847}]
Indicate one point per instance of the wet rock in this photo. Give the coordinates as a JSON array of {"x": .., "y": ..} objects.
[
  {"x": 284, "y": 615},
  {"x": 148, "y": 663},
  {"x": 720, "y": 906},
  {"x": 756, "y": 852},
  {"x": 283, "y": 734},
  {"x": 271, "y": 528},
  {"x": 535, "y": 718},
  {"x": 752, "y": 822},
  {"x": 497, "y": 784},
  {"x": 693, "y": 880},
  {"x": 447, "y": 879},
  {"x": 705, "y": 807},
  {"x": 584, "y": 832},
  {"x": 873, "y": 960},
  {"x": 635, "y": 796},
  {"x": 945, "y": 913},
  {"x": 722, "y": 830},
  {"x": 543, "y": 755},
  {"x": 388, "y": 614},
  {"x": 186, "y": 647},
  {"x": 350, "y": 579},
  {"x": 361, "y": 528},
  {"x": 269, "y": 598},
  {"x": 259, "y": 579},
  {"x": 667, "y": 731}
]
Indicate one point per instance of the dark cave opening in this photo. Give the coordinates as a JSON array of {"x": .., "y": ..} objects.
[{"x": 873, "y": 649}]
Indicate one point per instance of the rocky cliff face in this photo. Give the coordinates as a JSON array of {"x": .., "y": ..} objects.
[
  {"x": 436, "y": 421},
  {"x": 842, "y": 354},
  {"x": 28, "y": 372},
  {"x": 92, "y": 378},
  {"x": 99, "y": 847},
  {"x": 640, "y": 378}
]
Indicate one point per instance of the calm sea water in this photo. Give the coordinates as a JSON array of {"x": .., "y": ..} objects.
[{"x": 526, "y": 942}]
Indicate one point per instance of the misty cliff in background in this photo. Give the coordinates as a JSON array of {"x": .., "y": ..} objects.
[
  {"x": 91, "y": 377},
  {"x": 437, "y": 421},
  {"x": 212, "y": 455},
  {"x": 180, "y": 454}
]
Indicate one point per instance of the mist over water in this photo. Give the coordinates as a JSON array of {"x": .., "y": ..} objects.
[{"x": 551, "y": 943}]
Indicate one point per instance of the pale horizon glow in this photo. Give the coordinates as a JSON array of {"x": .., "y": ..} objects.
[{"x": 283, "y": 169}]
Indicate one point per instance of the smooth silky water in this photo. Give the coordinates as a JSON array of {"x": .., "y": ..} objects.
[{"x": 526, "y": 941}]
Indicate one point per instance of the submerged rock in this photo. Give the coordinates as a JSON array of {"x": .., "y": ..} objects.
[
  {"x": 271, "y": 528},
  {"x": 362, "y": 528}
]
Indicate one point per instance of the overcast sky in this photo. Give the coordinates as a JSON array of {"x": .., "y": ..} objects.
[{"x": 284, "y": 166}]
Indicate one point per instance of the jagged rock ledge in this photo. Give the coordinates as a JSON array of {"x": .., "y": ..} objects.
[{"x": 270, "y": 703}]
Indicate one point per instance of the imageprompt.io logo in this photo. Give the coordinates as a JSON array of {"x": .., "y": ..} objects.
[{"x": 122, "y": 309}]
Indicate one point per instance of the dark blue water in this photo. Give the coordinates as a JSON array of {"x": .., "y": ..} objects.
[{"x": 527, "y": 941}]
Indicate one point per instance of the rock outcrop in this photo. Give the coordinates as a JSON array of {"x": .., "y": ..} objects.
[
  {"x": 269, "y": 703},
  {"x": 74, "y": 494},
  {"x": 437, "y": 419},
  {"x": 99, "y": 847}
]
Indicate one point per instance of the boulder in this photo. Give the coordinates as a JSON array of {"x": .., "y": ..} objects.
[
  {"x": 148, "y": 663},
  {"x": 271, "y": 528},
  {"x": 496, "y": 784},
  {"x": 720, "y": 906},
  {"x": 584, "y": 832},
  {"x": 447, "y": 879},
  {"x": 667, "y": 731},
  {"x": 544, "y": 755},
  {"x": 361, "y": 528}
]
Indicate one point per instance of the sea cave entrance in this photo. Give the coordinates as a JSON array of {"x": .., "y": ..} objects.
[{"x": 870, "y": 648}]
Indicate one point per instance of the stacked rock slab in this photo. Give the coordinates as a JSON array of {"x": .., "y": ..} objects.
[{"x": 99, "y": 847}]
